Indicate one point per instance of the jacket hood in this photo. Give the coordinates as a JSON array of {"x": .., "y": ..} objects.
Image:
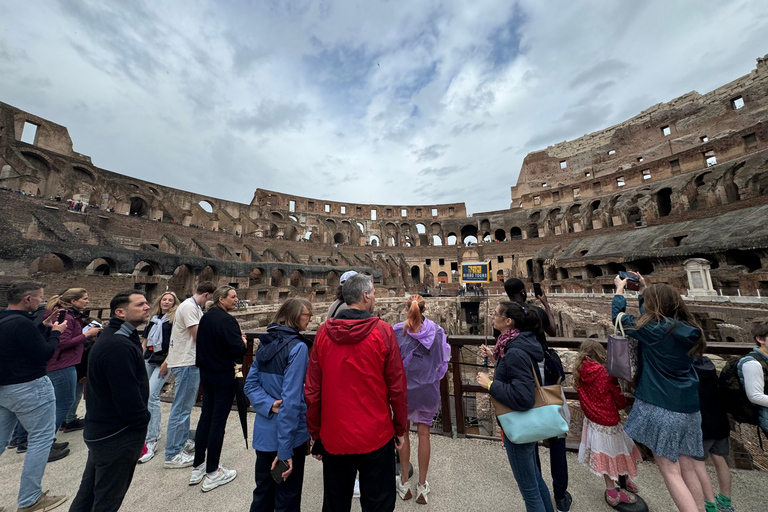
[
  {"x": 527, "y": 342},
  {"x": 349, "y": 331},
  {"x": 590, "y": 371},
  {"x": 277, "y": 337},
  {"x": 426, "y": 334}
]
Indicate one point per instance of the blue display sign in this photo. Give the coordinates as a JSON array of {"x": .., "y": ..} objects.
[{"x": 475, "y": 272}]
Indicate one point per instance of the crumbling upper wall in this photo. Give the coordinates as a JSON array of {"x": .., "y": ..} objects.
[{"x": 658, "y": 133}]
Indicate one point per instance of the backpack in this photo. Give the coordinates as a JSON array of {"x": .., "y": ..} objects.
[{"x": 737, "y": 404}]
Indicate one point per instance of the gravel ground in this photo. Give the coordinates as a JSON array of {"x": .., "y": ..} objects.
[{"x": 464, "y": 474}]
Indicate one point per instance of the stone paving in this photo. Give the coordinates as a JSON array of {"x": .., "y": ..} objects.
[{"x": 464, "y": 474}]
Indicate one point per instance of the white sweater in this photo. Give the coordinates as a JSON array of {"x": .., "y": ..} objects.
[{"x": 754, "y": 383}]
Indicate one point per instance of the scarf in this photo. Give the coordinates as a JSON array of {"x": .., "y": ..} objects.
[
  {"x": 155, "y": 337},
  {"x": 501, "y": 343}
]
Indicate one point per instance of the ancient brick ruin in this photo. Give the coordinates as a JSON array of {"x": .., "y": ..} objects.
[{"x": 681, "y": 180}]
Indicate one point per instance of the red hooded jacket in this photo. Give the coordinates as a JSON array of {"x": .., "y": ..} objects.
[
  {"x": 356, "y": 390},
  {"x": 599, "y": 394}
]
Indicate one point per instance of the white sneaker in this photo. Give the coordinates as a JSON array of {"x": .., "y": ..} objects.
[
  {"x": 198, "y": 474},
  {"x": 403, "y": 489},
  {"x": 180, "y": 460},
  {"x": 221, "y": 477},
  {"x": 421, "y": 493},
  {"x": 356, "y": 492},
  {"x": 151, "y": 447},
  {"x": 189, "y": 446}
]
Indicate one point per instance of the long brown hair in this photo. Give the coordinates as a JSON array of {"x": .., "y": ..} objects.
[
  {"x": 64, "y": 300},
  {"x": 158, "y": 311},
  {"x": 662, "y": 302},
  {"x": 415, "y": 310},
  {"x": 591, "y": 349}
]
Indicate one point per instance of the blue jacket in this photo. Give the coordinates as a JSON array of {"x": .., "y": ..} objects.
[
  {"x": 278, "y": 373},
  {"x": 667, "y": 377}
]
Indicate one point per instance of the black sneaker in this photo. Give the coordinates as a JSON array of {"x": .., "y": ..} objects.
[
  {"x": 22, "y": 447},
  {"x": 13, "y": 445},
  {"x": 564, "y": 504},
  {"x": 57, "y": 454},
  {"x": 59, "y": 446},
  {"x": 73, "y": 426}
]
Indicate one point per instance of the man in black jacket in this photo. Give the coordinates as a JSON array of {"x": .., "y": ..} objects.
[
  {"x": 26, "y": 391},
  {"x": 116, "y": 415}
]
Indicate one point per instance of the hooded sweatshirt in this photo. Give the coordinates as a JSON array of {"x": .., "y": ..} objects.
[
  {"x": 667, "y": 377},
  {"x": 513, "y": 383},
  {"x": 425, "y": 358},
  {"x": 356, "y": 390},
  {"x": 278, "y": 374},
  {"x": 599, "y": 394}
]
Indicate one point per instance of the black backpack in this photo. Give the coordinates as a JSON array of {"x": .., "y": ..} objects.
[
  {"x": 553, "y": 368},
  {"x": 737, "y": 404}
]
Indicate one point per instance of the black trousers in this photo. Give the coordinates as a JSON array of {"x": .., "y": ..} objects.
[
  {"x": 377, "y": 480},
  {"x": 558, "y": 466},
  {"x": 286, "y": 497},
  {"x": 108, "y": 472},
  {"x": 218, "y": 395}
]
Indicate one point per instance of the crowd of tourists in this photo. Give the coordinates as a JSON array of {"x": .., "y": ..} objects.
[{"x": 350, "y": 396}]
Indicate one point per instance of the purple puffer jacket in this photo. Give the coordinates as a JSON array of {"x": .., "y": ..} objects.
[
  {"x": 425, "y": 357},
  {"x": 71, "y": 343}
]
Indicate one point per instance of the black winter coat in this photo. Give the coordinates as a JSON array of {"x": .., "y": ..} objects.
[{"x": 513, "y": 383}]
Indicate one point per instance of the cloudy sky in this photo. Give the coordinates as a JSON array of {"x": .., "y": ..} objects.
[{"x": 410, "y": 102}]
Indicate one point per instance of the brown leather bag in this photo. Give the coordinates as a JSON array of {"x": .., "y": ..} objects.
[{"x": 543, "y": 395}]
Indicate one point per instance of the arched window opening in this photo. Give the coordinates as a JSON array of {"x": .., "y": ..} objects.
[
  {"x": 139, "y": 207},
  {"x": 500, "y": 235},
  {"x": 664, "y": 201},
  {"x": 277, "y": 277},
  {"x": 516, "y": 233},
  {"x": 594, "y": 271},
  {"x": 416, "y": 274},
  {"x": 205, "y": 205}
]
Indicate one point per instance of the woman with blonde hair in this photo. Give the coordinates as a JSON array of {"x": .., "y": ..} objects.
[
  {"x": 156, "y": 342},
  {"x": 425, "y": 353},
  {"x": 62, "y": 366},
  {"x": 275, "y": 384},
  {"x": 666, "y": 416},
  {"x": 220, "y": 343}
]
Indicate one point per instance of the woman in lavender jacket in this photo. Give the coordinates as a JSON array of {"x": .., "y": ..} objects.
[{"x": 425, "y": 354}]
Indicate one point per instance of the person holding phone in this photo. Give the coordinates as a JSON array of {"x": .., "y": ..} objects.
[
  {"x": 275, "y": 387},
  {"x": 62, "y": 366}
]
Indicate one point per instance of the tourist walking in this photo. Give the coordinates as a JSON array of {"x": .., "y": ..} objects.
[
  {"x": 513, "y": 385},
  {"x": 61, "y": 366},
  {"x": 157, "y": 340},
  {"x": 552, "y": 370},
  {"x": 357, "y": 408},
  {"x": 425, "y": 353},
  {"x": 26, "y": 392},
  {"x": 115, "y": 429},
  {"x": 275, "y": 388},
  {"x": 220, "y": 343},
  {"x": 186, "y": 376},
  {"x": 339, "y": 304},
  {"x": 665, "y": 416},
  {"x": 605, "y": 448}
]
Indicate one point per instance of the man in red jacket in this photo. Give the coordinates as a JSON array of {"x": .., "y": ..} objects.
[{"x": 357, "y": 407}]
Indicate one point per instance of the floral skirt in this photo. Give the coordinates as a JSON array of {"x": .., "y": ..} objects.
[{"x": 608, "y": 450}]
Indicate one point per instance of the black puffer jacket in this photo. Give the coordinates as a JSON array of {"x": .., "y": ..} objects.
[{"x": 513, "y": 384}]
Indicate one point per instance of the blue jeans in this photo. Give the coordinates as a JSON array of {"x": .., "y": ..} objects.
[
  {"x": 64, "y": 383},
  {"x": 522, "y": 458},
  {"x": 72, "y": 413},
  {"x": 155, "y": 388},
  {"x": 186, "y": 383},
  {"x": 34, "y": 404}
]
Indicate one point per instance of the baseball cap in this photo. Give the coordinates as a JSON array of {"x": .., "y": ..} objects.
[{"x": 346, "y": 275}]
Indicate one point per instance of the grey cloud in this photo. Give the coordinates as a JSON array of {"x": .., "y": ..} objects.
[
  {"x": 432, "y": 152},
  {"x": 461, "y": 129},
  {"x": 600, "y": 71},
  {"x": 441, "y": 171},
  {"x": 270, "y": 115}
]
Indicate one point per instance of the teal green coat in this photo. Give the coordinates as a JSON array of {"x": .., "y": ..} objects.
[{"x": 667, "y": 377}]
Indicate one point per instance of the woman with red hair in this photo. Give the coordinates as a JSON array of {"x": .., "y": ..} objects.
[{"x": 425, "y": 354}]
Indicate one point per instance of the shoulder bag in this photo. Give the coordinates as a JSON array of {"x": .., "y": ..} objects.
[
  {"x": 543, "y": 421},
  {"x": 621, "y": 360}
]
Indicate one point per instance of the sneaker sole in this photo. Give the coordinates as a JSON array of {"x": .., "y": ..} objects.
[
  {"x": 217, "y": 484},
  {"x": 146, "y": 459},
  {"x": 192, "y": 483},
  {"x": 177, "y": 466},
  {"x": 59, "y": 456}
]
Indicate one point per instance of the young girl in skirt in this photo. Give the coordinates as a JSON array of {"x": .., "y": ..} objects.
[{"x": 605, "y": 449}]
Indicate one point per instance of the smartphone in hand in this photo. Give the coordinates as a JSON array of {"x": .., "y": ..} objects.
[
  {"x": 62, "y": 316},
  {"x": 277, "y": 473},
  {"x": 633, "y": 283},
  {"x": 537, "y": 290}
]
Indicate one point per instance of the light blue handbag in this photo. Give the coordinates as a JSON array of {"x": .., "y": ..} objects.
[{"x": 542, "y": 421}]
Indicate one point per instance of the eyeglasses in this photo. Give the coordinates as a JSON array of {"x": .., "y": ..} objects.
[{"x": 307, "y": 314}]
